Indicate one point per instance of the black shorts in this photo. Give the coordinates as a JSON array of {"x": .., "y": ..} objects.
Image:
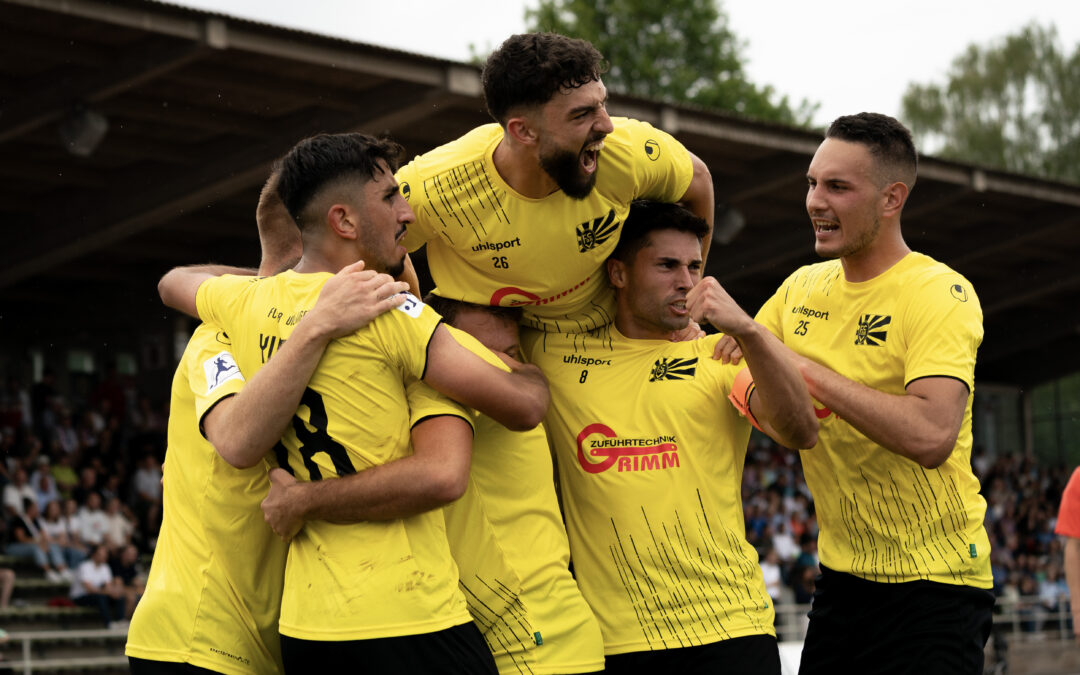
[
  {"x": 460, "y": 650},
  {"x": 750, "y": 655},
  {"x": 916, "y": 627},
  {"x": 149, "y": 667}
]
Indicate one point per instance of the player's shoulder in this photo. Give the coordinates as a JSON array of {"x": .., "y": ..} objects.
[
  {"x": 473, "y": 146},
  {"x": 928, "y": 275}
]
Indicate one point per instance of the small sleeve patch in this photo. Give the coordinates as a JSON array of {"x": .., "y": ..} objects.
[
  {"x": 412, "y": 306},
  {"x": 220, "y": 369}
]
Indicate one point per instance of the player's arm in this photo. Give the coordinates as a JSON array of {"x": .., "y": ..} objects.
[
  {"x": 922, "y": 424},
  {"x": 244, "y": 426},
  {"x": 180, "y": 284},
  {"x": 779, "y": 400},
  {"x": 517, "y": 399},
  {"x": 700, "y": 201},
  {"x": 435, "y": 474}
]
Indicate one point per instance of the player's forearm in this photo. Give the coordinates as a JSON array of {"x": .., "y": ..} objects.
[
  {"x": 179, "y": 285},
  {"x": 699, "y": 199},
  {"x": 434, "y": 476},
  {"x": 780, "y": 400},
  {"x": 245, "y": 426},
  {"x": 908, "y": 425}
]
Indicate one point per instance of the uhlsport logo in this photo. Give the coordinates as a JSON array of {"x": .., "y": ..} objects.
[
  {"x": 625, "y": 454},
  {"x": 872, "y": 329},
  {"x": 673, "y": 369},
  {"x": 595, "y": 232},
  {"x": 958, "y": 292},
  {"x": 652, "y": 150},
  {"x": 406, "y": 191}
]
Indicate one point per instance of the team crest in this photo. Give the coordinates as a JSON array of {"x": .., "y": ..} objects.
[
  {"x": 591, "y": 234},
  {"x": 872, "y": 329},
  {"x": 673, "y": 369}
]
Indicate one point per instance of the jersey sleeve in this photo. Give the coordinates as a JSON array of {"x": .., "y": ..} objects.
[
  {"x": 662, "y": 166},
  {"x": 1068, "y": 521},
  {"x": 218, "y": 299},
  {"x": 425, "y": 402},
  {"x": 212, "y": 371},
  {"x": 943, "y": 330},
  {"x": 404, "y": 332},
  {"x": 410, "y": 184}
]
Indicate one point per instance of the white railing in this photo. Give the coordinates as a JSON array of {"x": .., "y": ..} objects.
[{"x": 28, "y": 662}]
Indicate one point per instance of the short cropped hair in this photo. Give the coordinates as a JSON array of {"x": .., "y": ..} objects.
[
  {"x": 318, "y": 161},
  {"x": 530, "y": 68},
  {"x": 449, "y": 309},
  {"x": 888, "y": 140},
  {"x": 646, "y": 217}
]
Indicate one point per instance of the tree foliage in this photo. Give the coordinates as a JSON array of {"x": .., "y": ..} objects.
[
  {"x": 1013, "y": 105},
  {"x": 674, "y": 50}
]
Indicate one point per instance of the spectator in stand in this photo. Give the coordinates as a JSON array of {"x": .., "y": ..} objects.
[
  {"x": 73, "y": 522},
  {"x": 30, "y": 541},
  {"x": 93, "y": 523},
  {"x": 56, "y": 528},
  {"x": 147, "y": 485},
  {"x": 44, "y": 484},
  {"x": 17, "y": 492},
  {"x": 94, "y": 586},
  {"x": 66, "y": 478},
  {"x": 120, "y": 526},
  {"x": 770, "y": 570},
  {"x": 88, "y": 484},
  {"x": 128, "y": 576},
  {"x": 65, "y": 436}
]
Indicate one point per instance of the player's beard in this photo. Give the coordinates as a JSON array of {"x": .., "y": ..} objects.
[{"x": 564, "y": 167}]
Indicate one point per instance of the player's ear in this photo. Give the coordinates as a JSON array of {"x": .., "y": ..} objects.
[
  {"x": 522, "y": 129},
  {"x": 341, "y": 221},
  {"x": 616, "y": 270},
  {"x": 893, "y": 199}
]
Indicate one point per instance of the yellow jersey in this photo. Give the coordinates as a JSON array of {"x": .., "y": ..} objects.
[
  {"x": 883, "y": 517},
  {"x": 489, "y": 245},
  {"x": 650, "y": 458},
  {"x": 214, "y": 588}
]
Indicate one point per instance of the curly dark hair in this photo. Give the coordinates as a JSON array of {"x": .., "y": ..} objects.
[
  {"x": 318, "y": 161},
  {"x": 886, "y": 138},
  {"x": 449, "y": 309},
  {"x": 530, "y": 68}
]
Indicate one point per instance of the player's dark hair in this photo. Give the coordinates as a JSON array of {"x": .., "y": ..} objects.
[
  {"x": 646, "y": 217},
  {"x": 530, "y": 68},
  {"x": 317, "y": 161},
  {"x": 449, "y": 309},
  {"x": 888, "y": 140}
]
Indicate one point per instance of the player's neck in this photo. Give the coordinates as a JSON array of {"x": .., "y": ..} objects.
[
  {"x": 519, "y": 167},
  {"x": 876, "y": 259},
  {"x": 313, "y": 262}
]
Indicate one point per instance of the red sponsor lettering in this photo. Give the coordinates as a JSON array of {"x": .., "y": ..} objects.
[
  {"x": 512, "y": 296},
  {"x": 627, "y": 457}
]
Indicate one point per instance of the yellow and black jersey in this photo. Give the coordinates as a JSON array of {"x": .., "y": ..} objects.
[
  {"x": 883, "y": 517},
  {"x": 650, "y": 457},
  {"x": 489, "y": 245}
]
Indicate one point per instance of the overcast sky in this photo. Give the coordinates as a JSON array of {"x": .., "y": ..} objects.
[{"x": 847, "y": 55}]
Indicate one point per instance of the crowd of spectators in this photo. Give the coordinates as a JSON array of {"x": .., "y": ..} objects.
[{"x": 81, "y": 486}]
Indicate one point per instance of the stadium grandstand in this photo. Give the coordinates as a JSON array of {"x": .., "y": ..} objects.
[{"x": 135, "y": 136}]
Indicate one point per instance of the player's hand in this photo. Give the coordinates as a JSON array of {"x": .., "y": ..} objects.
[
  {"x": 692, "y": 332},
  {"x": 279, "y": 510},
  {"x": 727, "y": 351},
  {"x": 352, "y": 298},
  {"x": 708, "y": 301}
]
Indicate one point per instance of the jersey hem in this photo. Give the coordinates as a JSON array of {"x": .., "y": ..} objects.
[
  {"x": 629, "y": 648},
  {"x": 401, "y": 630},
  {"x": 191, "y": 658}
]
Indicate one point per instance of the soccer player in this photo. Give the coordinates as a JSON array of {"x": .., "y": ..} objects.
[
  {"x": 214, "y": 590},
  {"x": 650, "y": 455},
  {"x": 524, "y": 212},
  {"x": 886, "y": 339},
  {"x": 384, "y": 593},
  {"x": 506, "y": 533}
]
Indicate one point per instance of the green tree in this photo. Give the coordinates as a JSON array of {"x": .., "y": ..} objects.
[
  {"x": 1013, "y": 105},
  {"x": 673, "y": 50}
]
